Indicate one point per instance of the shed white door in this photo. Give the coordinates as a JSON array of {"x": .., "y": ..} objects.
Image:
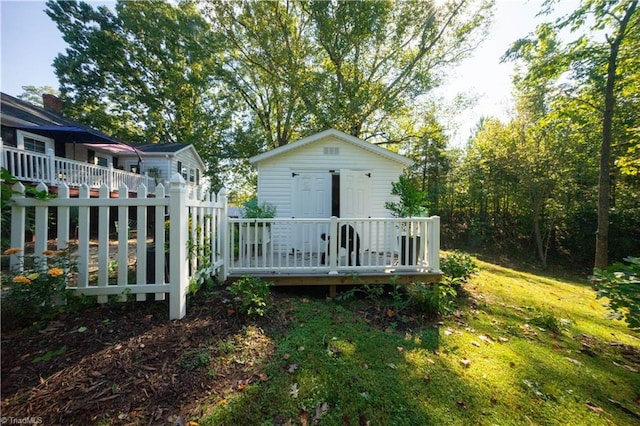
[
  {"x": 311, "y": 198},
  {"x": 355, "y": 193}
]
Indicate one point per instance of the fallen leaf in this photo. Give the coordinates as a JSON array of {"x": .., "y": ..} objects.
[
  {"x": 320, "y": 410},
  {"x": 512, "y": 364},
  {"x": 448, "y": 332},
  {"x": 81, "y": 329},
  {"x": 400, "y": 348},
  {"x": 430, "y": 361},
  {"x": 292, "y": 368},
  {"x": 485, "y": 339},
  {"x": 390, "y": 313},
  {"x": 304, "y": 418},
  {"x": 392, "y": 366},
  {"x": 294, "y": 390},
  {"x": 263, "y": 377},
  {"x": 573, "y": 361},
  {"x": 363, "y": 420},
  {"x": 465, "y": 362},
  {"x": 594, "y": 407},
  {"x": 476, "y": 344},
  {"x": 502, "y": 339},
  {"x": 494, "y": 400},
  {"x": 462, "y": 404},
  {"x": 426, "y": 378},
  {"x": 287, "y": 355}
]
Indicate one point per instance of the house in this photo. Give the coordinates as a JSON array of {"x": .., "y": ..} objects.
[
  {"x": 162, "y": 160},
  {"x": 327, "y": 174},
  {"x": 39, "y": 144}
]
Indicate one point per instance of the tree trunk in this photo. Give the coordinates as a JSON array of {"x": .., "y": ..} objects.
[{"x": 602, "y": 234}]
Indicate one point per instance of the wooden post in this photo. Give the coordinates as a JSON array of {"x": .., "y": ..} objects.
[
  {"x": 179, "y": 217},
  {"x": 123, "y": 239},
  {"x": 141, "y": 239},
  {"x": 434, "y": 244},
  {"x": 333, "y": 246},
  {"x": 42, "y": 230},
  {"x": 51, "y": 172},
  {"x": 103, "y": 243},
  {"x": 222, "y": 236},
  {"x": 64, "y": 217},
  {"x": 83, "y": 238},
  {"x": 160, "y": 242},
  {"x": 18, "y": 227}
]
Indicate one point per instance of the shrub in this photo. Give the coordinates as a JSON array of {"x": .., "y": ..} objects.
[
  {"x": 38, "y": 292},
  {"x": 252, "y": 295},
  {"x": 620, "y": 283},
  {"x": 434, "y": 298},
  {"x": 458, "y": 265}
]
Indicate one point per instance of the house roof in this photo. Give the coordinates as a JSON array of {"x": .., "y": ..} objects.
[
  {"x": 336, "y": 134},
  {"x": 26, "y": 116},
  {"x": 150, "y": 149}
]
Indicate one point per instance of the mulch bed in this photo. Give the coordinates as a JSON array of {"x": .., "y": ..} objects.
[{"x": 126, "y": 363}]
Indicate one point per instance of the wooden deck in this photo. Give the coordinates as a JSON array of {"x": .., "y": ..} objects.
[{"x": 306, "y": 270}]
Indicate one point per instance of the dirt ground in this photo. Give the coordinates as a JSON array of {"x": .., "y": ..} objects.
[{"x": 126, "y": 363}]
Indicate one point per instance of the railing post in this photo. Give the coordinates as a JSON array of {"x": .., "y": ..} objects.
[
  {"x": 178, "y": 216},
  {"x": 51, "y": 170},
  {"x": 110, "y": 175},
  {"x": 333, "y": 246},
  {"x": 83, "y": 237},
  {"x": 18, "y": 227},
  {"x": 434, "y": 244},
  {"x": 222, "y": 238}
]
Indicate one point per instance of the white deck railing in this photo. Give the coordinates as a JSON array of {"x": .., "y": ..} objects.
[
  {"x": 334, "y": 245},
  {"x": 29, "y": 166}
]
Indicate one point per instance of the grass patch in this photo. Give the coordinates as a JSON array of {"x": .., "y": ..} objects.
[{"x": 520, "y": 349}]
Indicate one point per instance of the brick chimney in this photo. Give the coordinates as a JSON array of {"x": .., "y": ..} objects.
[{"x": 52, "y": 103}]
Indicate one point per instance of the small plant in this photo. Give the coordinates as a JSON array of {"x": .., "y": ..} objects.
[
  {"x": 39, "y": 290},
  {"x": 195, "y": 358},
  {"x": 458, "y": 265},
  {"x": 434, "y": 298},
  {"x": 411, "y": 201},
  {"x": 548, "y": 321},
  {"x": 620, "y": 284},
  {"x": 252, "y": 295},
  {"x": 255, "y": 210}
]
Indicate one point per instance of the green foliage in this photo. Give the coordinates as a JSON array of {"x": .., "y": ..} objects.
[
  {"x": 195, "y": 358},
  {"x": 252, "y": 295},
  {"x": 255, "y": 210},
  {"x": 458, "y": 265},
  {"x": 434, "y": 298},
  {"x": 620, "y": 284},
  {"x": 411, "y": 201},
  {"x": 38, "y": 292}
]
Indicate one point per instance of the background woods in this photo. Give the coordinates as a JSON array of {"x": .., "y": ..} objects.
[{"x": 238, "y": 78}]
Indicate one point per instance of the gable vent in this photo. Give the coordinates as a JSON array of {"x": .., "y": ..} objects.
[{"x": 331, "y": 150}]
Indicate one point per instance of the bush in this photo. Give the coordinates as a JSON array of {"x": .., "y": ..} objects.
[
  {"x": 252, "y": 295},
  {"x": 458, "y": 265},
  {"x": 434, "y": 298},
  {"x": 38, "y": 292},
  {"x": 620, "y": 283}
]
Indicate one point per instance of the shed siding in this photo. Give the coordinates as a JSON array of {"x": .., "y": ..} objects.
[{"x": 275, "y": 184}]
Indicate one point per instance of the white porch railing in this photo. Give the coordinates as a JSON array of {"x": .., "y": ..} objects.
[
  {"x": 334, "y": 245},
  {"x": 29, "y": 166}
]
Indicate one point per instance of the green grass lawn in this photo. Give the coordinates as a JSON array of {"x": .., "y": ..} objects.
[{"x": 521, "y": 348}]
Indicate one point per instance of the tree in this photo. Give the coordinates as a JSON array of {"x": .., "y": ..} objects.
[
  {"x": 342, "y": 64},
  {"x": 34, "y": 94},
  {"x": 588, "y": 59}
]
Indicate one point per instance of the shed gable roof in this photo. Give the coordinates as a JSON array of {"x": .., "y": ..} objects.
[{"x": 390, "y": 155}]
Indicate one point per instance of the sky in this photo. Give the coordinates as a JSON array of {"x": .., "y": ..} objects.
[{"x": 28, "y": 51}]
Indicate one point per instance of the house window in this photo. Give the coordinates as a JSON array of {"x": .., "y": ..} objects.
[
  {"x": 9, "y": 137},
  {"x": 33, "y": 143},
  {"x": 197, "y": 176},
  {"x": 102, "y": 161},
  {"x": 192, "y": 175}
]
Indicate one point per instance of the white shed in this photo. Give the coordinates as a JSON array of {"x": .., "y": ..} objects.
[{"x": 328, "y": 174}]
